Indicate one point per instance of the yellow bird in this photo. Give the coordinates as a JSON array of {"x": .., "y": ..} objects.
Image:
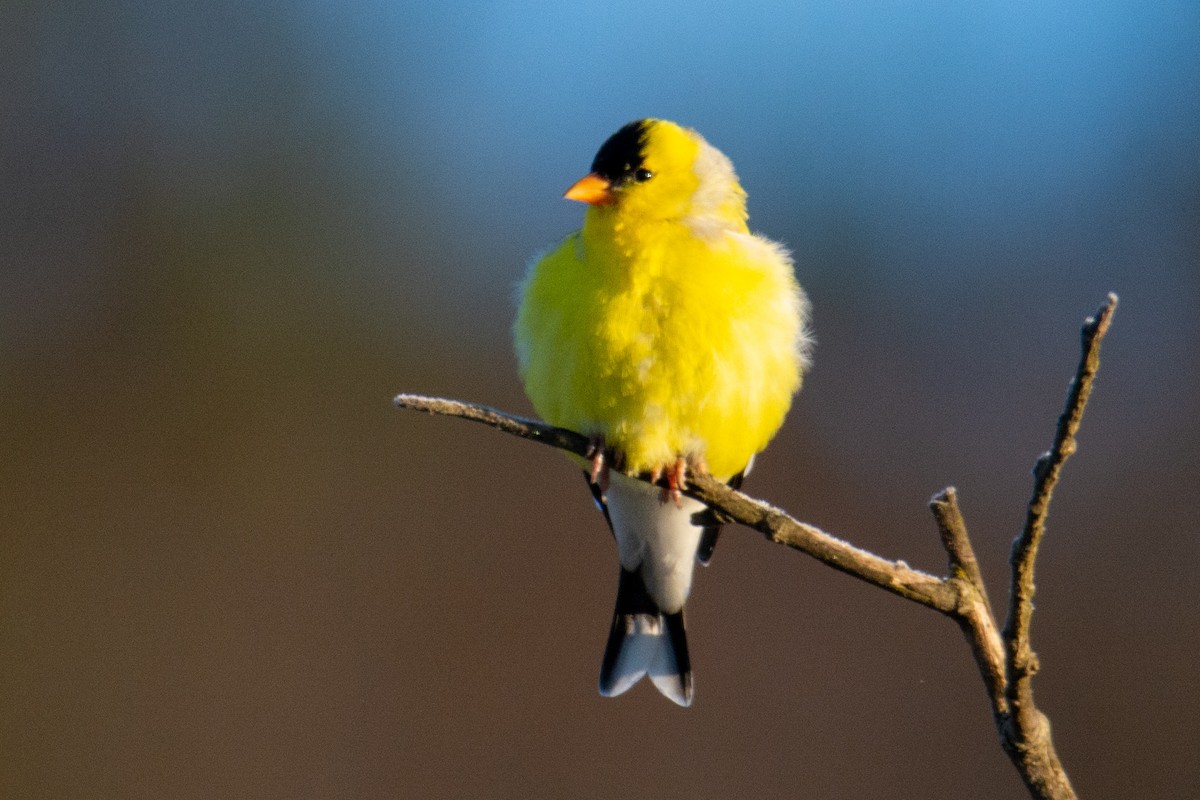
[{"x": 672, "y": 337}]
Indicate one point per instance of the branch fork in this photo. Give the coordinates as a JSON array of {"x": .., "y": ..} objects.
[{"x": 1005, "y": 657}]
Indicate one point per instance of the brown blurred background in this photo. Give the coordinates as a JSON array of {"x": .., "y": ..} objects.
[{"x": 229, "y": 233}]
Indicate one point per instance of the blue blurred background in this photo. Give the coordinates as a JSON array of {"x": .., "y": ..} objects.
[{"x": 230, "y": 232}]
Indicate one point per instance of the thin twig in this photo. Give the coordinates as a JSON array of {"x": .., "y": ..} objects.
[
  {"x": 1006, "y": 661},
  {"x": 532, "y": 429},
  {"x": 1046, "y": 473},
  {"x": 974, "y": 612},
  {"x": 1027, "y": 729},
  {"x": 894, "y": 576}
]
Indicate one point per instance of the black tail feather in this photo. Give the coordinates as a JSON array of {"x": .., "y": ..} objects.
[{"x": 644, "y": 640}]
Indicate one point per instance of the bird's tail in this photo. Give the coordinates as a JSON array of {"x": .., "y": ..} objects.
[{"x": 643, "y": 640}]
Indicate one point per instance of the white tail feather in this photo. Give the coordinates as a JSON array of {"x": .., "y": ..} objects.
[{"x": 647, "y": 650}]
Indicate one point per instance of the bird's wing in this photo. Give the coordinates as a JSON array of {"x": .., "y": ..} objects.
[
  {"x": 598, "y": 497},
  {"x": 712, "y": 529}
]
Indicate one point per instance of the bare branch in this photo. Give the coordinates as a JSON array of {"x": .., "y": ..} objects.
[
  {"x": 1027, "y": 732},
  {"x": 974, "y": 612},
  {"x": 894, "y": 576},
  {"x": 1046, "y": 473},
  {"x": 1006, "y": 660},
  {"x": 561, "y": 438},
  {"x": 953, "y": 529}
]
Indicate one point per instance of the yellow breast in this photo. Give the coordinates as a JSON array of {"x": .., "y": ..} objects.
[{"x": 666, "y": 342}]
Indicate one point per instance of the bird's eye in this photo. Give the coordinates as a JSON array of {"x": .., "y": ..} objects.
[{"x": 643, "y": 175}]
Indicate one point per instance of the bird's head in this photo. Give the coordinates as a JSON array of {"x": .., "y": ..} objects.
[{"x": 654, "y": 170}]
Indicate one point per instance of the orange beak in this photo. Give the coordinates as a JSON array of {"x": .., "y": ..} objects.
[{"x": 591, "y": 189}]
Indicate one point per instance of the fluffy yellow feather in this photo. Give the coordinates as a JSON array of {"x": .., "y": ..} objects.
[
  {"x": 671, "y": 335},
  {"x": 664, "y": 325}
]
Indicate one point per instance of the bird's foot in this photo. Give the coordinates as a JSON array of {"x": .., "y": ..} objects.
[
  {"x": 597, "y": 452},
  {"x": 603, "y": 460},
  {"x": 677, "y": 477}
]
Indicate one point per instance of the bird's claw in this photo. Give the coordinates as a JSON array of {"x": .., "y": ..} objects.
[
  {"x": 676, "y": 477},
  {"x": 596, "y": 451}
]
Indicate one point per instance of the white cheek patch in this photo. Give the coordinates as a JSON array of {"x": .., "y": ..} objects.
[{"x": 719, "y": 188}]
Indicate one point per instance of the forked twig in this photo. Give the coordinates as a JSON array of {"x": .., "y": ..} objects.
[{"x": 1006, "y": 660}]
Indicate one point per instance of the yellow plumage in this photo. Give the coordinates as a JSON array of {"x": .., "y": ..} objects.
[
  {"x": 668, "y": 332},
  {"x": 665, "y": 327}
]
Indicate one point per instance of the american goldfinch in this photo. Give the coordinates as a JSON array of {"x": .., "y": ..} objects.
[{"x": 672, "y": 337}]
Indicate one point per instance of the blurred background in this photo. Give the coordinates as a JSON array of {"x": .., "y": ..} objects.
[{"x": 231, "y": 232}]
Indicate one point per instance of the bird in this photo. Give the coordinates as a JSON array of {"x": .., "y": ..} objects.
[{"x": 672, "y": 338}]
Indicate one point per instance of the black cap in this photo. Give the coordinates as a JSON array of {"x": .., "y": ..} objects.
[{"x": 621, "y": 156}]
